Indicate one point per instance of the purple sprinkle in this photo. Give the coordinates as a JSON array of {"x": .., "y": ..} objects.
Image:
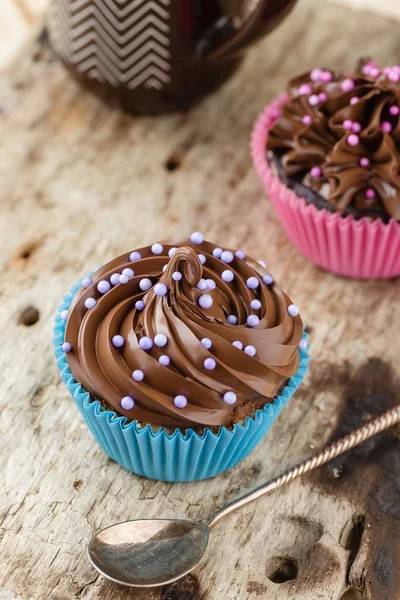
[
  {"x": 129, "y": 272},
  {"x": 87, "y": 282},
  {"x": 202, "y": 285},
  {"x": 252, "y": 283},
  {"x": 127, "y": 403},
  {"x": 304, "y": 89},
  {"x": 255, "y": 304},
  {"x": 103, "y": 286},
  {"x": 268, "y": 279},
  {"x": 207, "y": 343},
  {"x": 172, "y": 251},
  {"x": 64, "y": 315},
  {"x": 217, "y": 252},
  {"x": 356, "y": 127},
  {"x": 238, "y": 344},
  {"x": 164, "y": 360},
  {"x": 370, "y": 193},
  {"x": 228, "y": 276},
  {"x": 322, "y": 97},
  {"x": 66, "y": 347},
  {"x": 353, "y": 139},
  {"x": 293, "y": 310},
  {"x": 197, "y": 238},
  {"x": 210, "y": 364},
  {"x": 146, "y": 343},
  {"x": 231, "y": 319},
  {"x": 229, "y": 397},
  {"x": 135, "y": 256},
  {"x": 145, "y": 284},
  {"x": 250, "y": 350},
  {"x": 347, "y": 85},
  {"x": 240, "y": 254},
  {"x": 160, "y": 289},
  {"x": 123, "y": 278},
  {"x": 303, "y": 344},
  {"x": 138, "y": 375},
  {"x": 157, "y": 248},
  {"x": 307, "y": 120},
  {"x": 117, "y": 341},
  {"x": 180, "y": 401},
  {"x": 115, "y": 278},
  {"x": 262, "y": 263},
  {"x": 139, "y": 305},
  {"x": 316, "y": 172},
  {"x": 160, "y": 340},
  {"x": 364, "y": 162},
  {"x": 202, "y": 259},
  {"x": 386, "y": 126},
  {"x": 205, "y": 301},
  {"x": 90, "y": 302},
  {"x": 211, "y": 285},
  {"x": 176, "y": 276},
  {"x": 326, "y": 76},
  {"x": 227, "y": 256},
  {"x": 348, "y": 124},
  {"x": 252, "y": 320},
  {"x": 394, "y": 110}
]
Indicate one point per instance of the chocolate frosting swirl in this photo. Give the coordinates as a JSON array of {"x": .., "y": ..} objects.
[
  {"x": 105, "y": 371},
  {"x": 348, "y": 126}
]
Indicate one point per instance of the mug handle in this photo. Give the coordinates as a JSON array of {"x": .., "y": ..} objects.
[{"x": 265, "y": 17}]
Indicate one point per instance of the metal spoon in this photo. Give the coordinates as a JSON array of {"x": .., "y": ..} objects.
[{"x": 154, "y": 552}]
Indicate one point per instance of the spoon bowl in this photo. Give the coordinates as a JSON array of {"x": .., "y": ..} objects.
[{"x": 148, "y": 553}]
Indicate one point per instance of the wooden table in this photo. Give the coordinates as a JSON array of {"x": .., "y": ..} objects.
[{"x": 80, "y": 184}]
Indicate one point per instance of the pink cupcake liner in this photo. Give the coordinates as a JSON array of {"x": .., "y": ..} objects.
[{"x": 363, "y": 248}]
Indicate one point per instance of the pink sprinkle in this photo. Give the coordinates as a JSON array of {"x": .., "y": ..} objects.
[
  {"x": 348, "y": 123},
  {"x": 353, "y": 139},
  {"x": 366, "y": 69},
  {"x": 322, "y": 97},
  {"x": 307, "y": 120},
  {"x": 316, "y": 74},
  {"x": 347, "y": 85},
  {"x": 304, "y": 89},
  {"x": 393, "y": 76},
  {"x": 386, "y": 126},
  {"x": 387, "y": 70},
  {"x": 313, "y": 100},
  {"x": 370, "y": 193},
  {"x": 316, "y": 172},
  {"x": 374, "y": 72},
  {"x": 354, "y": 100},
  {"x": 356, "y": 127},
  {"x": 364, "y": 162},
  {"x": 394, "y": 110},
  {"x": 326, "y": 76}
]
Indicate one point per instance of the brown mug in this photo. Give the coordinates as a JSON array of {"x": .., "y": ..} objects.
[{"x": 158, "y": 55}]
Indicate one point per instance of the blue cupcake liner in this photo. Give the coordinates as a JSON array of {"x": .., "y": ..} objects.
[{"x": 176, "y": 457}]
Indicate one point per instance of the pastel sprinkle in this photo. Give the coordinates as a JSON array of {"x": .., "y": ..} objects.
[
  {"x": 307, "y": 120},
  {"x": 176, "y": 276},
  {"x": 227, "y": 256},
  {"x": 252, "y": 283},
  {"x": 103, "y": 286},
  {"x": 313, "y": 100},
  {"x": 370, "y": 193},
  {"x": 202, "y": 285},
  {"x": 129, "y": 272},
  {"x": 172, "y": 251},
  {"x": 229, "y": 397},
  {"x": 353, "y": 139},
  {"x": 364, "y": 162},
  {"x": 316, "y": 172},
  {"x": 117, "y": 341},
  {"x": 115, "y": 278},
  {"x": 255, "y": 304},
  {"x": 157, "y": 248},
  {"x": 240, "y": 254},
  {"x": 138, "y": 375},
  {"x": 211, "y": 285},
  {"x": 160, "y": 289},
  {"x": 303, "y": 344},
  {"x": 217, "y": 252},
  {"x": 146, "y": 343},
  {"x": 231, "y": 320},
  {"x": 87, "y": 282},
  {"x": 262, "y": 263},
  {"x": 123, "y": 278},
  {"x": 347, "y": 85},
  {"x": 228, "y": 276},
  {"x": 315, "y": 74},
  {"x": 322, "y": 97},
  {"x": 160, "y": 340},
  {"x": 393, "y": 76},
  {"x": 135, "y": 256},
  {"x": 386, "y": 126},
  {"x": 252, "y": 320},
  {"x": 139, "y": 305},
  {"x": 238, "y": 344},
  {"x": 326, "y": 76},
  {"x": 394, "y": 110},
  {"x": 210, "y": 364},
  {"x": 66, "y": 347},
  {"x": 207, "y": 343},
  {"x": 356, "y": 127},
  {"x": 304, "y": 89},
  {"x": 268, "y": 279},
  {"x": 127, "y": 403},
  {"x": 202, "y": 259},
  {"x": 205, "y": 301},
  {"x": 197, "y": 237},
  {"x": 145, "y": 284},
  {"x": 180, "y": 401},
  {"x": 90, "y": 303},
  {"x": 164, "y": 360},
  {"x": 293, "y": 310},
  {"x": 64, "y": 315},
  {"x": 354, "y": 100},
  {"x": 374, "y": 72},
  {"x": 348, "y": 123},
  {"x": 250, "y": 350}
]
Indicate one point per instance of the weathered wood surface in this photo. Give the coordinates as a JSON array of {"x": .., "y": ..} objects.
[{"x": 80, "y": 184}]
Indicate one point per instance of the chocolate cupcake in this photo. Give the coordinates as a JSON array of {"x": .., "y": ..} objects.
[
  {"x": 334, "y": 140},
  {"x": 180, "y": 356}
]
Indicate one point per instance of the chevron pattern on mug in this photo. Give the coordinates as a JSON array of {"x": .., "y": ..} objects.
[{"x": 115, "y": 41}]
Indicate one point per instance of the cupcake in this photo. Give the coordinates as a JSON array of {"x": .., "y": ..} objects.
[
  {"x": 180, "y": 356},
  {"x": 328, "y": 152}
]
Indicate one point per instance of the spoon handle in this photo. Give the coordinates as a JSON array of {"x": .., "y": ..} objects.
[{"x": 360, "y": 435}]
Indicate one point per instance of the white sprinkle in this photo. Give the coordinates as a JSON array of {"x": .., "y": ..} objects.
[{"x": 157, "y": 248}]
